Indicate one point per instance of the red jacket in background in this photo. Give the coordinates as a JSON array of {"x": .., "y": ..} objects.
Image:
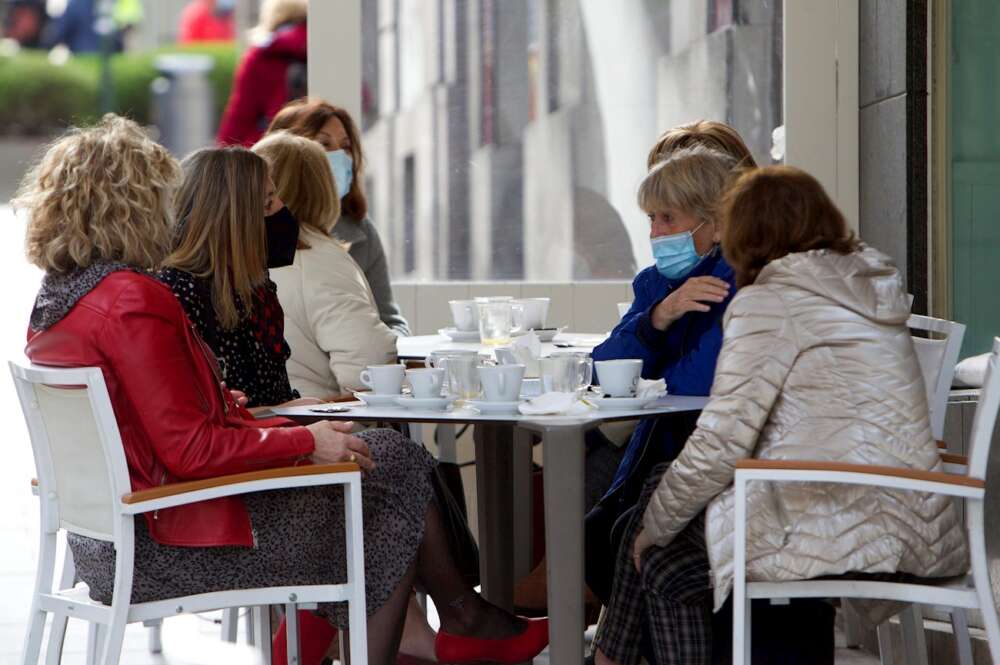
[
  {"x": 177, "y": 422},
  {"x": 200, "y": 23},
  {"x": 260, "y": 86}
]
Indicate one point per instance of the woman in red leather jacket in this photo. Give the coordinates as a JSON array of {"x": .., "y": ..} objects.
[{"x": 98, "y": 206}]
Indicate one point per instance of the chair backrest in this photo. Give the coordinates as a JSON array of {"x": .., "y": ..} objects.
[
  {"x": 937, "y": 358},
  {"x": 981, "y": 436},
  {"x": 77, "y": 447}
]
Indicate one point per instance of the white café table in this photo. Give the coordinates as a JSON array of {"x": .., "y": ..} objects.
[
  {"x": 419, "y": 347},
  {"x": 503, "y": 456}
]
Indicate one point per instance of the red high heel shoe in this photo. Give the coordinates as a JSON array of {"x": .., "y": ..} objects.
[
  {"x": 315, "y": 635},
  {"x": 458, "y": 649}
]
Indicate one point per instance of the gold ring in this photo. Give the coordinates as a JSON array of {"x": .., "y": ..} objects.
[{"x": 353, "y": 457}]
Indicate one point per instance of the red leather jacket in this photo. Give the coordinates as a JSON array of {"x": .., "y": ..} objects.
[{"x": 177, "y": 423}]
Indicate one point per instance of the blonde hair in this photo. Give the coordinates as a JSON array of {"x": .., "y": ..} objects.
[
  {"x": 220, "y": 208},
  {"x": 274, "y": 13},
  {"x": 707, "y": 133},
  {"x": 303, "y": 179},
  {"x": 99, "y": 193},
  {"x": 692, "y": 180}
]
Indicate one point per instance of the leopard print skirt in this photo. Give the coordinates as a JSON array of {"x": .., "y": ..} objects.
[{"x": 299, "y": 538}]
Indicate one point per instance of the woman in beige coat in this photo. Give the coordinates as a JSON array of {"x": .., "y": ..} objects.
[
  {"x": 332, "y": 323},
  {"x": 817, "y": 363}
]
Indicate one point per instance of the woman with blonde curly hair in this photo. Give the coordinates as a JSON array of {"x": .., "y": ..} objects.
[{"x": 98, "y": 207}]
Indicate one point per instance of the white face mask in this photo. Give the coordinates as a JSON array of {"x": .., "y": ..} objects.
[{"x": 343, "y": 170}]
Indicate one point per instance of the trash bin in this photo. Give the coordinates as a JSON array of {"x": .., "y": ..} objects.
[{"x": 183, "y": 102}]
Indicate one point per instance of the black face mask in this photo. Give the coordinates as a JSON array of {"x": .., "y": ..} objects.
[{"x": 282, "y": 238}]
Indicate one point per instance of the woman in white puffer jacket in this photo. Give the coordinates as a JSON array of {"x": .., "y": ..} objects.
[
  {"x": 332, "y": 323},
  {"x": 816, "y": 364}
]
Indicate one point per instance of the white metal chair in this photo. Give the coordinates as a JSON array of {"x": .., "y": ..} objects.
[
  {"x": 84, "y": 489},
  {"x": 973, "y": 592},
  {"x": 937, "y": 358}
]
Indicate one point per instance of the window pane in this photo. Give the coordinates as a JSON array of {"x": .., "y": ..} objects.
[{"x": 508, "y": 138}]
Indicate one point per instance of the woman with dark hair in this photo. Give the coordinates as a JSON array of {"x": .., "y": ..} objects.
[
  {"x": 334, "y": 129},
  {"x": 816, "y": 364}
]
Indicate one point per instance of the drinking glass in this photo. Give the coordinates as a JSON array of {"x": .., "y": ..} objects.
[
  {"x": 463, "y": 376},
  {"x": 497, "y": 320},
  {"x": 566, "y": 373}
]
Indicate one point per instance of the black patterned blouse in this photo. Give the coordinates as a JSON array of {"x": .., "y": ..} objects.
[{"x": 252, "y": 354}]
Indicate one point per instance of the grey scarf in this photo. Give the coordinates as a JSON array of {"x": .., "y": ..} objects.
[{"x": 60, "y": 292}]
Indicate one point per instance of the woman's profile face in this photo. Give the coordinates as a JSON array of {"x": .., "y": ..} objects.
[
  {"x": 333, "y": 136},
  {"x": 272, "y": 203},
  {"x": 672, "y": 221}
]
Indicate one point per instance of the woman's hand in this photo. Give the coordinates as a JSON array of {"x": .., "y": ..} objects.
[
  {"x": 334, "y": 443},
  {"x": 690, "y": 296},
  {"x": 239, "y": 396},
  {"x": 642, "y": 543}
]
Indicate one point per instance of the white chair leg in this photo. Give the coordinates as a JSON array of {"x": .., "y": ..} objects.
[
  {"x": 963, "y": 641},
  {"x": 741, "y": 601},
  {"x": 262, "y": 632},
  {"x": 447, "y": 444},
  {"x": 981, "y": 577},
  {"x": 885, "y": 655},
  {"x": 43, "y": 584},
  {"x": 292, "y": 633},
  {"x": 230, "y": 623},
  {"x": 914, "y": 641},
  {"x": 57, "y": 631},
  {"x": 248, "y": 620},
  {"x": 95, "y": 642},
  {"x": 357, "y": 616},
  {"x": 155, "y": 635}
]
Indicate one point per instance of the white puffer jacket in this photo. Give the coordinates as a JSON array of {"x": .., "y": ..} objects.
[
  {"x": 331, "y": 321},
  {"x": 817, "y": 364}
]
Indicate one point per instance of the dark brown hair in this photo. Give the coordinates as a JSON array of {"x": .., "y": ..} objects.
[
  {"x": 306, "y": 117},
  {"x": 773, "y": 211},
  {"x": 707, "y": 133}
]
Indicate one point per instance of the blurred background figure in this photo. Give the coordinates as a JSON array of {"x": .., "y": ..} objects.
[
  {"x": 83, "y": 23},
  {"x": 207, "y": 21},
  {"x": 23, "y": 21},
  {"x": 271, "y": 73}
]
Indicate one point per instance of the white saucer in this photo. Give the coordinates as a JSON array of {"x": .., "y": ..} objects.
[
  {"x": 427, "y": 403},
  {"x": 621, "y": 403},
  {"x": 373, "y": 399},
  {"x": 456, "y": 335},
  {"x": 484, "y": 406}
]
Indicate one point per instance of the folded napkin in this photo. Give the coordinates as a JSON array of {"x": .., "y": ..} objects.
[
  {"x": 646, "y": 388},
  {"x": 524, "y": 350},
  {"x": 554, "y": 404}
]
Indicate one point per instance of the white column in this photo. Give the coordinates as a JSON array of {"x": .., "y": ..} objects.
[
  {"x": 335, "y": 53},
  {"x": 821, "y": 96}
]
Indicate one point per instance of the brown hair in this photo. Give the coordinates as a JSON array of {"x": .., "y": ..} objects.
[
  {"x": 220, "y": 209},
  {"x": 302, "y": 178},
  {"x": 778, "y": 210},
  {"x": 100, "y": 193},
  {"x": 692, "y": 180},
  {"x": 708, "y": 133},
  {"x": 306, "y": 117}
]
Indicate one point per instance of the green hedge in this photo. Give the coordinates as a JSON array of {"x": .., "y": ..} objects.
[{"x": 37, "y": 97}]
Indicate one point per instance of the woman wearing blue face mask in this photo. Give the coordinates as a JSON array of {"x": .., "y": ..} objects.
[
  {"x": 674, "y": 327},
  {"x": 334, "y": 129}
]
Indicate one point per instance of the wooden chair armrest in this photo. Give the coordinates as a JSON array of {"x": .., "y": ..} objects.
[
  {"x": 174, "y": 489},
  {"x": 942, "y": 445},
  {"x": 811, "y": 465},
  {"x": 951, "y": 458}
]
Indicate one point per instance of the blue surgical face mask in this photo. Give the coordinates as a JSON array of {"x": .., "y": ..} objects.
[
  {"x": 675, "y": 254},
  {"x": 343, "y": 170}
]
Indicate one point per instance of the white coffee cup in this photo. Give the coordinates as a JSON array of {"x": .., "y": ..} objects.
[
  {"x": 536, "y": 312},
  {"x": 618, "y": 378},
  {"x": 384, "y": 379},
  {"x": 623, "y": 308},
  {"x": 425, "y": 382},
  {"x": 465, "y": 314},
  {"x": 501, "y": 383}
]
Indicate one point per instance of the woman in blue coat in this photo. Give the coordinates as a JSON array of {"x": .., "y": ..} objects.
[{"x": 675, "y": 323}]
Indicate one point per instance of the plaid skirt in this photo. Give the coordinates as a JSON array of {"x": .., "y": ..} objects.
[{"x": 672, "y": 595}]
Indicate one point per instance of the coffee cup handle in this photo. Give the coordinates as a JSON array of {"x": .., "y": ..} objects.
[{"x": 366, "y": 378}]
